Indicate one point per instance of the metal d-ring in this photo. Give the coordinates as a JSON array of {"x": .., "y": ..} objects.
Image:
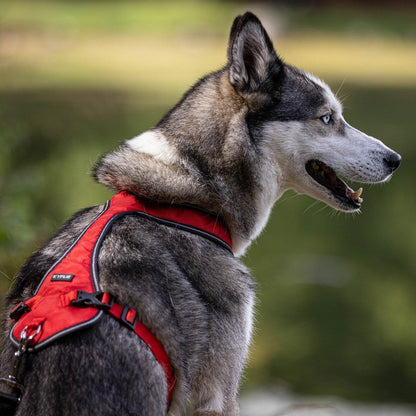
[
  {"x": 24, "y": 339},
  {"x": 11, "y": 379}
]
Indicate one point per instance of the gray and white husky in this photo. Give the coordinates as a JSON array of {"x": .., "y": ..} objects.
[{"x": 237, "y": 140}]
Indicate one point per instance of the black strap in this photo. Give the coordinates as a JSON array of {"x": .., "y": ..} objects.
[{"x": 8, "y": 404}]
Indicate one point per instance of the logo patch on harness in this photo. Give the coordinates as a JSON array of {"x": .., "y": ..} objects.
[{"x": 60, "y": 277}]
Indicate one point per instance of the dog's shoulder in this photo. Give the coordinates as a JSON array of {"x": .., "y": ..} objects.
[
  {"x": 41, "y": 260},
  {"x": 187, "y": 289},
  {"x": 142, "y": 250}
]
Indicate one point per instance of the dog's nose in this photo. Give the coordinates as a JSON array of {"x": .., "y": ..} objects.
[{"x": 393, "y": 161}]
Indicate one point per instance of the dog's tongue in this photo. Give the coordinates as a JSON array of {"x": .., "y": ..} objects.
[{"x": 355, "y": 194}]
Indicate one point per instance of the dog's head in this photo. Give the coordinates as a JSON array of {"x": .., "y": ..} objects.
[
  {"x": 243, "y": 135},
  {"x": 300, "y": 122}
]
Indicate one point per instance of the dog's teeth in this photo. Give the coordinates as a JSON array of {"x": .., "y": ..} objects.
[
  {"x": 358, "y": 192},
  {"x": 356, "y": 195}
]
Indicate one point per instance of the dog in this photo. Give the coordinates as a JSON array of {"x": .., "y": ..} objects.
[{"x": 236, "y": 141}]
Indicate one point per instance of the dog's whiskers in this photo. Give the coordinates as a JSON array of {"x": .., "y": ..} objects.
[
  {"x": 287, "y": 197},
  {"x": 309, "y": 207},
  {"x": 339, "y": 89},
  {"x": 6, "y": 276},
  {"x": 323, "y": 208}
]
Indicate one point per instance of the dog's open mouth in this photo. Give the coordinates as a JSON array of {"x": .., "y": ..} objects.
[{"x": 327, "y": 177}]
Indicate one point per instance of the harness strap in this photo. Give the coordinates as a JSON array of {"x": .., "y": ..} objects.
[
  {"x": 67, "y": 298},
  {"x": 8, "y": 404},
  {"x": 130, "y": 318}
]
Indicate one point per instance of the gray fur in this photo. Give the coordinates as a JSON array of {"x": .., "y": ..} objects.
[{"x": 227, "y": 148}]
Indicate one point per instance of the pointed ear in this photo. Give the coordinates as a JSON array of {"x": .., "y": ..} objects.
[{"x": 252, "y": 59}]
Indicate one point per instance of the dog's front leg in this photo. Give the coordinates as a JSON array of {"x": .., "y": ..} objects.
[
  {"x": 217, "y": 405},
  {"x": 218, "y": 383},
  {"x": 216, "y": 387},
  {"x": 233, "y": 411}
]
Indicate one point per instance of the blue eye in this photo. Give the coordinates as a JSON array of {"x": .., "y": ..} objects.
[{"x": 326, "y": 119}]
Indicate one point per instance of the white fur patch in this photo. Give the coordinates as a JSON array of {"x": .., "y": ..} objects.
[
  {"x": 248, "y": 314},
  {"x": 154, "y": 143}
]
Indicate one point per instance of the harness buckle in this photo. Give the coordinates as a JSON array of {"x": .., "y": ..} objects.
[{"x": 99, "y": 300}]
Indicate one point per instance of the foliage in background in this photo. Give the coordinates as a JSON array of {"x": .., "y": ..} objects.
[{"x": 336, "y": 309}]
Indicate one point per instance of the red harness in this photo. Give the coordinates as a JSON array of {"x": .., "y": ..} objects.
[{"x": 69, "y": 298}]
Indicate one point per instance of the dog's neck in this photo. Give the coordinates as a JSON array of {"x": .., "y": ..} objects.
[
  {"x": 143, "y": 168},
  {"x": 206, "y": 158}
]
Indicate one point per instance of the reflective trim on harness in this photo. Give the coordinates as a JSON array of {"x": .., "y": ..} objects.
[{"x": 68, "y": 298}]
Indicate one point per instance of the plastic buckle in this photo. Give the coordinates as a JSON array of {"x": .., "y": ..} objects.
[
  {"x": 126, "y": 317},
  {"x": 95, "y": 299},
  {"x": 19, "y": 310}
]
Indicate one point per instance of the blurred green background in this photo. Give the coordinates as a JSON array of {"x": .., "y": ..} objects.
[{"x": 336, "y": 311}]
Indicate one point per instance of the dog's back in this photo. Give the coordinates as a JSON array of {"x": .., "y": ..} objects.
[{"x": 166, "y": 275}]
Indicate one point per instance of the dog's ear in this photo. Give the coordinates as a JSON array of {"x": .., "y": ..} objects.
[{"x": 252, "y": 60}]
